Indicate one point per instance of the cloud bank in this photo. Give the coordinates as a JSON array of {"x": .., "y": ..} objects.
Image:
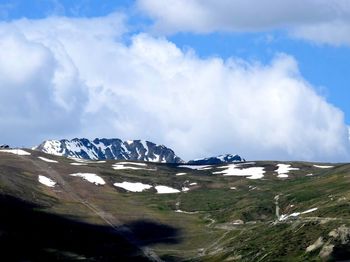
[
  {"x": 80, "y": 77},
  {"x": 321, "y": 21}
]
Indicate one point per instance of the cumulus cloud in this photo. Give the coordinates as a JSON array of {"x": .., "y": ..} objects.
[
  {"x": 322, "y": 21},
  {"x": 30, "y": 80},
  {"x": 103, "y": 86}
]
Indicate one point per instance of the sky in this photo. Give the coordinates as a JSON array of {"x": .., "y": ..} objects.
[{"x": 265, "y": 79}]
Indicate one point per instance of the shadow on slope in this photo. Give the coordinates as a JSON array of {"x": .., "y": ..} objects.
[{"x": 28, "y": 234}]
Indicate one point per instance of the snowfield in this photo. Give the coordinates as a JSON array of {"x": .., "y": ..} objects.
[
  {"x": 180, "y": 174},
  {"x": 283, "y": 170},
  {"x": 47, "y": 160},
  {"x": 133, "y": 187},
  {"x": 250, "y": 172},
  {"x": 46, "y": 181},
  {"x": 92, "y": 178},
  {"x": 166, "y": 190},
  {"x": 19, "y": 152}
]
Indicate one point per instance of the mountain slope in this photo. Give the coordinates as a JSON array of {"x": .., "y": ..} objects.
[
  {"x": 101, "y": 149},
  {"x": 131, "y": 211}
]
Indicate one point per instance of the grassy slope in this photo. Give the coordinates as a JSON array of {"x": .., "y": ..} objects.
[{"x": 207, "y": 234}]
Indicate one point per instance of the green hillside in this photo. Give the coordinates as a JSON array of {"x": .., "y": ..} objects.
[{"x": 301, "y": 216}]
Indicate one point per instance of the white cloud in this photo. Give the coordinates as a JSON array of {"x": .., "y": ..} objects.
[
  {"x": 321, "y": 21},
  {"x": 153, "y": 90},
  {"x": 30, "y": 77},
  {"x": 335, "y": 33}
]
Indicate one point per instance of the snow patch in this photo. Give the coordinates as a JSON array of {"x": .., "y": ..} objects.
[
  {"x": 196, "y": 167},
  {"x": 250, "y": 172},
  {"x": 252, "y": 188},
  {"x": 156, "y": 158},
  {"x": 133, "y": 187},
  {"x": 185, "y": 212},
  {"x": 283, "y": 170},
  {"x": 122, "y": 167},
  {"x": 86, "y": 161},
  {"x": 78, "y": 164},
  {"x": 131, "y": 163},
  {"x": 47, "y": 160},
  {"x": 310, "y": 210},
  {"x": 180, "y": 174},
  {"x": 323, "y": 166},
  {"x": 206, "y": 168},
  {"x": 46, "y": 181},
  {"x": 76, "y": 147},
  {"x": 166, "y": 190},
  {"x": 92, "y": 178},
  {"x": 144, "y": 144},
  {"x": 19, "y": 152},
  {"x": 296, "y": 214},
  {"x": 52, "y": 147},
  {"x": 185, "y": 189},
  {"x": 79, "y": 160}
]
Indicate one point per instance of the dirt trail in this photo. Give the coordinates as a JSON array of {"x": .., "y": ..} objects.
[{"x": 108, "y": 218}]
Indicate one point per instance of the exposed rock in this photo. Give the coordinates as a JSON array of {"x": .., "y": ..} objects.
[{"x": 318, "y": 243}]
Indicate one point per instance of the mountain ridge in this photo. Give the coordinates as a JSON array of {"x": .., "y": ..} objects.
[
  {"x": 215, "y": 160},
  {"x": 117, "y": 149},
  {"x": 114, "y": 148}
]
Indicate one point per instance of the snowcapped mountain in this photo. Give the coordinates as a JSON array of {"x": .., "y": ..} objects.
[
  {"x": 228, "y": 158},
  {"x": 99, "y": 149}
]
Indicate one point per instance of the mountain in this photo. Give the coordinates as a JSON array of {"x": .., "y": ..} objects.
[
  {"x": 228, "y": 158},
  {"x": 101, "y": 149}
]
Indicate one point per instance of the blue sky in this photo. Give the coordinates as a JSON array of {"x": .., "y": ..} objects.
[
  {"x": 309, "y": 49},
  {"x": 35, "y": 9}
]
